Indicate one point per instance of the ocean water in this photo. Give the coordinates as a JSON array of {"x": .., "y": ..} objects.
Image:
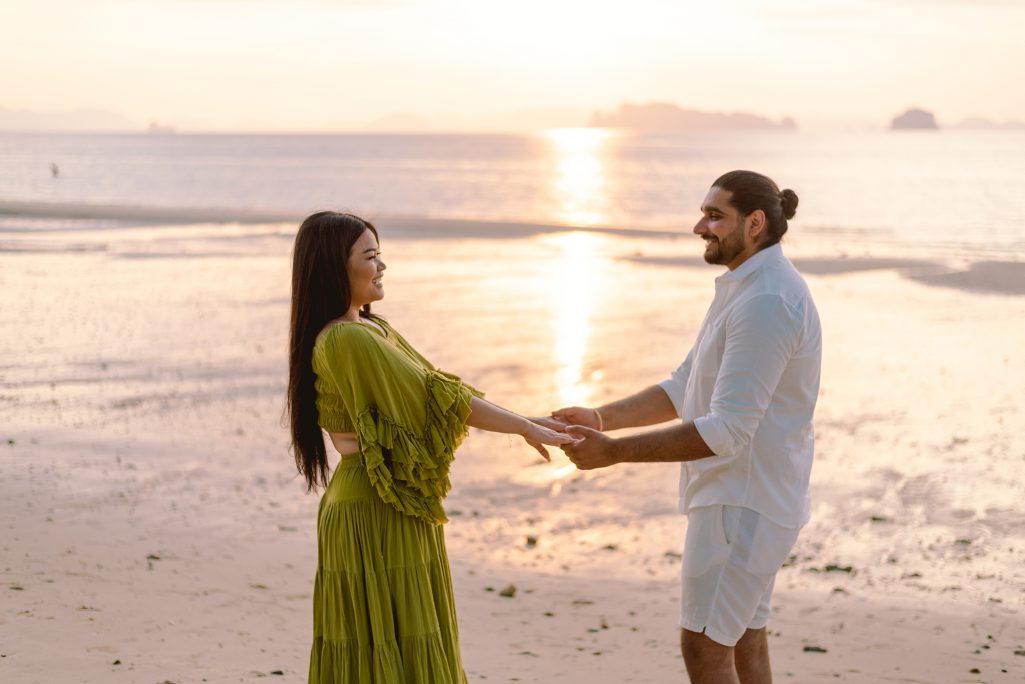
[{"x": 923, "y": 193}]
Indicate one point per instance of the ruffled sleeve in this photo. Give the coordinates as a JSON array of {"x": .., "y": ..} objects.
[{"x": 408, "y": 416}]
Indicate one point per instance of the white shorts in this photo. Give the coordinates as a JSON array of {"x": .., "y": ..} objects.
[{"x": 730, "y": 560}]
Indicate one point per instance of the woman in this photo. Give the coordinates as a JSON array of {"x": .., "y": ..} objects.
[{"x": 383, "y": 608}]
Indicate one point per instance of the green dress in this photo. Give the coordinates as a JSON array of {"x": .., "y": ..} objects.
[{"x": 383, "y": 608}]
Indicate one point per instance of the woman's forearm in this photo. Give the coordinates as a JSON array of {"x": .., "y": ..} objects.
[{"x": 488, "y": 416}]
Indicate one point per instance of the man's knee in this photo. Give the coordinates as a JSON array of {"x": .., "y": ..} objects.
[
  {"x": 700, "y": 650},
  {"x": 751, "y": 656},
  {"x": 753, "y": 641}
]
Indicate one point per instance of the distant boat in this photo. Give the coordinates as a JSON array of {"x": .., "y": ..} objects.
[
  {"x": 161, "y": 129},
  {"x": 54, "y": 169}
]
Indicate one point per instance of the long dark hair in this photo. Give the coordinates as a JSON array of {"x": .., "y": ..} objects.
[
  {"x": 751, "y": 191},
  {"x": 320, "y": 293}
]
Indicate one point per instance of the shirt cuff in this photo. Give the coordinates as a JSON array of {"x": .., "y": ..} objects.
[{"x": 714, "y": 434}]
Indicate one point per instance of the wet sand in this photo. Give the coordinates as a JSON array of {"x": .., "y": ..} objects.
[{"x": 153, "y": 528}]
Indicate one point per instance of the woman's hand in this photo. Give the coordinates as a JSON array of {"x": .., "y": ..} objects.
[
  {"x": 549, "y": 422},
  {"x": 487, "y": 416},
  {"x": 538, "y": 435}
]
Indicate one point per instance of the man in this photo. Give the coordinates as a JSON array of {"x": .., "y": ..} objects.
[{"x": 745, "y": 395}]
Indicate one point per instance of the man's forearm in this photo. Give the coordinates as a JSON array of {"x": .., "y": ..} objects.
[
  {"x": 681, "y": 442},
  {"x": 647, "y": 407}
]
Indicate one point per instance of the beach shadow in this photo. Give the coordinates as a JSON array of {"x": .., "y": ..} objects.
[
  {"x": 991, "y": 277},
  {"x": 841, "y": 265},
  {"x": 811, "y": 266}
]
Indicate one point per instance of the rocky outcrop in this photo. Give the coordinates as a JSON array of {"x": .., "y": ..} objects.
[
  {"x": 914, "y": 119},
  {"x": 664, "y": 117}
]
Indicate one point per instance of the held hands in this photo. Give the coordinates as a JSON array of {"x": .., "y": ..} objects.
[
  {"x": 538, "y": 434},
  {"x": 593, "y": 449}
]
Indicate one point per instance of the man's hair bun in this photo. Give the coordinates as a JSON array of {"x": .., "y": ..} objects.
[{"x": 788, "y": 200}]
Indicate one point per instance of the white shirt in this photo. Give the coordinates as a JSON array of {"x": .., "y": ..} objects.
[{"x": 749, "y": 384}]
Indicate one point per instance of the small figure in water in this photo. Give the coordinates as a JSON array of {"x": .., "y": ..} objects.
[{"x": 54, "y": 170}]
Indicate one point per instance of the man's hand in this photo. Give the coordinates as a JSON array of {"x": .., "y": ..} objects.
[
  {"x": 578, "y": 415},
  {"x": 594, "y": 450}
]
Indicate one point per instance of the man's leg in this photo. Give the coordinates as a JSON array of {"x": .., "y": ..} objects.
[
  {"x": 726, "y": 596},
  {"x": 751, "y": 655},
  {"x": 708, "y": 662}
]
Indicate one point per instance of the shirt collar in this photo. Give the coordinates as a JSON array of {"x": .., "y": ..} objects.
[{"x": 753, "y": 263}]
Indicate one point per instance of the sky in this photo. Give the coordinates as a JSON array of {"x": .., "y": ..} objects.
[{"x": 326, "y": 65}]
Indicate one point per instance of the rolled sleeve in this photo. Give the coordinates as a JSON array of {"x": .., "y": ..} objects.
[
  {"x": 761, "y": 335},
  {"x": 675, "y": 386},
  {"x": 714, "y": 433}
]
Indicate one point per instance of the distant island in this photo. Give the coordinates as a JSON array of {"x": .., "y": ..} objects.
[
  {"x": 978, "y": 123},
  {"x": 914, "y": 119},
  {"x": 920, "y": 119},
  {"x": 664, "y": 117}
]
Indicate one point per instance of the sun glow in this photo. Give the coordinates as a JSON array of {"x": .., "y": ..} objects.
[{"x": 579, "y": 184}]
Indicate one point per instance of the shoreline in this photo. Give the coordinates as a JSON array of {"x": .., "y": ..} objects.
[
  {"x": 399, "y": 225},
  {"x": 980, "y": 275}
]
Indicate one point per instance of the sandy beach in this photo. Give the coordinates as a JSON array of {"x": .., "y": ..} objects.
[{"x": 154, "y": 529}]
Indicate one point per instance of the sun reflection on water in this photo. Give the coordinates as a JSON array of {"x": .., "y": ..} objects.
[
  {"x": 577, "y": 285},
  {"x": 580, "y": 189},
  {"x": 580, "y": 173}
]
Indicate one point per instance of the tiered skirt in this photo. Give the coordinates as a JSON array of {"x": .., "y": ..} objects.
[{"x": 383, "y": 607}]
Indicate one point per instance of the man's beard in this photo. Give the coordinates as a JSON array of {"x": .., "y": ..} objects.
[{"x": 723, "y": 251}]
